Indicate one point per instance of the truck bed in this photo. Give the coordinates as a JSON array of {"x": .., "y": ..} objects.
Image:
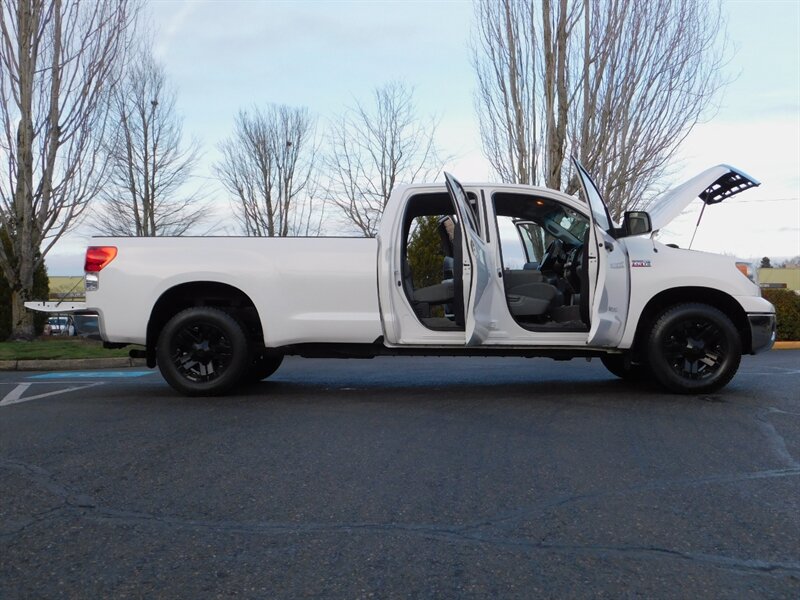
[{"x": 304, "y": 289}]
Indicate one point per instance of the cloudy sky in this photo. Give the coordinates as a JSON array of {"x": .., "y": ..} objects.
[{"x": 223, "y": 55}]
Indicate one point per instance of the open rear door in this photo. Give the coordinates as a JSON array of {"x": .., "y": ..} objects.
[
  {"x": 609, "y": 275},
  {"x": 475, "y": 268}
]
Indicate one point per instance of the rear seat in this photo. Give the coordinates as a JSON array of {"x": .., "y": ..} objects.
[{"x": 439, "y": 293}]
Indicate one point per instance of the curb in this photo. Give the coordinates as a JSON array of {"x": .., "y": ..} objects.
[
  {"x": 786, "y": 346},
  {"x": 71, "y": 364}
]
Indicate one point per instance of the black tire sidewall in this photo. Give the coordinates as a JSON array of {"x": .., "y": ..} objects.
[
  {"x": 659, "y": 365},
  {"x": 615, "y": 363},
  {"x": 233, "y": 331},
  {"x": 262, "y": 366}
]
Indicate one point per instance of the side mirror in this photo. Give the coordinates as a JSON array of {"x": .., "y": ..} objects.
[{"x": 636, "y": 222}]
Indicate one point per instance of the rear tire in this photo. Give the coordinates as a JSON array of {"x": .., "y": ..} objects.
[
  {"x": 693, "y": 349},
  {"x": 622, "y": 368},
  {"x": 202, "y": 351},
  {"x": 262, "y": 366}
]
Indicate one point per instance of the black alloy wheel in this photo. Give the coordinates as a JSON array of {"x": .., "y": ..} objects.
[
  {"x": 202, "y": 351},
  {"x": 694, "y": 348}
]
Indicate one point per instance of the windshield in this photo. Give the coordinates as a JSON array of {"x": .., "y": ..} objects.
[
  {"x": 566, "y": 225},
  {"x": 527, "y": 224}
]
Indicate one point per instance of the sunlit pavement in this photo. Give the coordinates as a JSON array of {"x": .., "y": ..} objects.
[{"x": 402, "y": 477}]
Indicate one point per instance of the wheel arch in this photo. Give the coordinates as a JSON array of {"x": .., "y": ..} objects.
[
  {"x": 202, "y": 293},
  {"x": 679, "y": 295}
]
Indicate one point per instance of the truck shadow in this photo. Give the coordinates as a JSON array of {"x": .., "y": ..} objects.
[
  {"x": 533, "y": 392},
  {"x": 399, "y": 380},
  {"x": 462, "y": 379}
]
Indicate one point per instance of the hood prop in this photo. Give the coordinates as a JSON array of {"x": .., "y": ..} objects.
[
  {"x": 729, "y": 184},
  {"x": 700, "y": 218}
]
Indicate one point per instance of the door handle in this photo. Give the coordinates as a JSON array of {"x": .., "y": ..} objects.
[{"x": 609, "y": 246}]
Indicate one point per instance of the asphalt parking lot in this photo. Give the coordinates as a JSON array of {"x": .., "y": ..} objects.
[{"x": 402, "y": 477}]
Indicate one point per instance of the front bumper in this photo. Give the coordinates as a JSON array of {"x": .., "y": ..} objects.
[{"x": 763, "y": 330}]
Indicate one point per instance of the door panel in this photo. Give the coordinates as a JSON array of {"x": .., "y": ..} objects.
[
  {"x": 609, "y": 308},
  {"x": 609, "y": 275},
  {"x": 479, "y": 309},
  {"x": 475, "y": 274}
]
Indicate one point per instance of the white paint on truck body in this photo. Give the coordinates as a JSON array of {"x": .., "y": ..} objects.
[
  {"x": 304, "y": 289},
  {"x": 670, "y": 268}
]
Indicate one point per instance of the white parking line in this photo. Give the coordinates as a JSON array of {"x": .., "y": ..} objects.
[
  {"x": 776, "y": 372},
  {"x": 15, "y": 395}
]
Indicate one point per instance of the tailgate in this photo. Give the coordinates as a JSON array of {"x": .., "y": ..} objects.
[{"x": 57, "y": 307}]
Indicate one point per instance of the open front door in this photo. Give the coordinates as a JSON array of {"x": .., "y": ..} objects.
[
  {"x": 475, "y": 268},
  {"x": 609, "y": 275}
]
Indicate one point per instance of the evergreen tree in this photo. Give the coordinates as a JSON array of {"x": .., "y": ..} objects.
[
  {"x": 425, "y": 255},
  {"x": 41, "y": 291}
]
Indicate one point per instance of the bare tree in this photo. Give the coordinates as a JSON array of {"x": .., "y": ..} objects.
[
  {"x": 148, "y": 163},
  {"x": 268, "y": 166},
  {"x": 372, "y": 149},
  {"x": 618, "y": 83},
  {"x": 58, "y": 60}
]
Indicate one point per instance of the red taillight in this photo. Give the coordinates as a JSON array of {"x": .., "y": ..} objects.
[{"x": 98, "y": 257}]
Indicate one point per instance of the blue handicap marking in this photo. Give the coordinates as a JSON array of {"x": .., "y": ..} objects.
[{"x": 91, "y": 374}]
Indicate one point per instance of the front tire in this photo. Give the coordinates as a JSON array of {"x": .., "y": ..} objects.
[
  {"x": 202, "y": 351},
  {"x": 693, "y": 349}
]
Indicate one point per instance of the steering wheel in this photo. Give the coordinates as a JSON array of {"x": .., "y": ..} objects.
[{"x": 551, "y": 256}]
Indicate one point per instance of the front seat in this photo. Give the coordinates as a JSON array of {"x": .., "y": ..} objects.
[{"x": 531, "y": 299}]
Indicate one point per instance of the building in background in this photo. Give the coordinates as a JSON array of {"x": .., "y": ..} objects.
[
  {"x": 787, "y": 279},
  {"x": 67, "y": 289}
]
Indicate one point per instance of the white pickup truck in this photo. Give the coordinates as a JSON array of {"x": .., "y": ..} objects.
[{"x": 525, "y": 271}]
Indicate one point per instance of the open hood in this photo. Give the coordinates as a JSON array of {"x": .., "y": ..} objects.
[{"x": 711, "y": 186}]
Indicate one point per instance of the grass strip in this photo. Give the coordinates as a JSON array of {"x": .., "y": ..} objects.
[{"x": 58, "y": 348}]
